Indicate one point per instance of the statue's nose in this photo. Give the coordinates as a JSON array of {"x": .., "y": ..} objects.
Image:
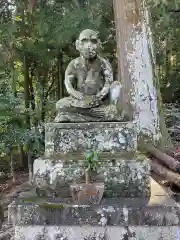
[{"x": 89, "y": 45}]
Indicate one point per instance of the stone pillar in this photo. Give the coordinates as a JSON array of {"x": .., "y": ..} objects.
[{"x": 136, "y": 61}]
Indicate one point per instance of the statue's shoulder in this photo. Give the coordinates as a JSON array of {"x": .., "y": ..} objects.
[
  {"x": 75, "y": 63},
  {"x": 71, "y": 63},
  {"x": 104, "y": 62},
  {"x": 71, "y": 67}
]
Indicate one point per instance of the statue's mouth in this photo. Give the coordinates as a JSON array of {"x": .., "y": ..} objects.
[{"x": 90, "y": 52}]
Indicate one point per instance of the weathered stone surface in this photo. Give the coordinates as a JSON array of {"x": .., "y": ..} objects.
[
  {"x": 93, "y": 95},
  {"x": 126, "y": 212},
  {"x": 96, "y": 233},
  {"x": 122, "y": 177},
  {"x": 84, "y": 194},
  {"x": 1, "y": 215},
  {"x": 2, "y": 175},
  {"x": 101, "y": 136}
]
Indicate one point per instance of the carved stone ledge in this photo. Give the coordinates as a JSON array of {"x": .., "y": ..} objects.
[{"x": 100, "y": 136}]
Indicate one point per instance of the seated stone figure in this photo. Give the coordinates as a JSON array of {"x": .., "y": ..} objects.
[{"x": 94, "y": 96}]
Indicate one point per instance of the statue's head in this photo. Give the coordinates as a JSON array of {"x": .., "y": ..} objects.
[{"x": 88, "y": 43}]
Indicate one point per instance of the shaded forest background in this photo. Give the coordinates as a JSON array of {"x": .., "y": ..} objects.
[{"x": 37, "y": 42}]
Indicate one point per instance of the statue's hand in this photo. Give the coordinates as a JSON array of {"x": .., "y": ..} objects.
[
  {"x": 77, "y": 95},
  {"x": 97, "y": 113},
  {"x": 101, "y": 95}
]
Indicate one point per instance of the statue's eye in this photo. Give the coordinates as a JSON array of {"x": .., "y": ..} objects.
[
  {"x": 94, "y": 41},
  {"x": 84, "y": 40}
]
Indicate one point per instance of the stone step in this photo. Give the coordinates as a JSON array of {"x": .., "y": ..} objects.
[
  {"x": 122, "y": 178},
  {"x": 121, "y": 219},
  {"x": 121, "y": 212},
  {"x": 114, "y": 219},
  {"x": 78, "y": 157},
  {"x": 96, "y": 233},
  {"x": 101, "y": 136}
]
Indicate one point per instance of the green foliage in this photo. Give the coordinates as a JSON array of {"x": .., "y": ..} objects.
[
  {"x": 13, "y": 131},
  {"x": 9, "y": 113},
  {"x": 92, "y": 161},
  {"x": 35, "y": 48},
  {"x": 166, "y": 31}
]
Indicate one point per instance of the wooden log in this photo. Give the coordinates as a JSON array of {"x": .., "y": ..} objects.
[
  {"x": 159, "y": 179},
  {"x": 169, "y": 161},
  {"x": 164, "y": 172}
]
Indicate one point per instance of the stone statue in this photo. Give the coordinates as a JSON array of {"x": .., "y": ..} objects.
[{"x": 94, "y": 96}]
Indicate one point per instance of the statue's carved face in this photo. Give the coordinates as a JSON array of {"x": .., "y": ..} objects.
[{"x": 88, "y": 44}]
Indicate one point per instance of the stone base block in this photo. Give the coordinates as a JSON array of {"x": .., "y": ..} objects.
[
  {"x": 122, "y": 177},
  {"x": 96, "y": 233},
  {"x": 127, "y": 219},
  {"x": 100, "y": 136}
]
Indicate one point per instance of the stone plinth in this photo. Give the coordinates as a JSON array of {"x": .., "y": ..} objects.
[
  {"x": 96, "y": 233},
  {"x": 126, "y": 219},
  {"x": 100, "y": 136},
  {"x": 124, "y": 175}
]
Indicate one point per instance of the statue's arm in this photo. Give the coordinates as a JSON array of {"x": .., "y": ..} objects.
[
  {"x": 69, "y": 78},
  {"x": 108, "y": 76}
]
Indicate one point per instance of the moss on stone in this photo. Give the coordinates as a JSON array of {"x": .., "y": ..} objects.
[
  {"x": 43, "y": 204},
  {"x": 140, "y": 157},
  {"x": 47, "y": 205},
  {"x": 32, "y": 200}
]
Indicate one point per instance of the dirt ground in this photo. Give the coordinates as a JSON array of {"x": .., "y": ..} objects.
[{"x": 7, "y": 187}]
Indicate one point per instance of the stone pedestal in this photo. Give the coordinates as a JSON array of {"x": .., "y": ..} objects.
[
  {"x": 48, "y": 213},
  {"x": 100, "y": 136},
  {"x": 126, "y": 219},
  {"x": 124, "y": 172},
  {"x": 123, "y": 176}
]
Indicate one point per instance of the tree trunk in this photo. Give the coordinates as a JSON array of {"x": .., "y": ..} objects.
[
  {"x": 30, "y": 167},
  {"x": 11, "y": 164},
  {"x": 167, "y": 62},
  {"x": 43, "y": 106},
  {"x": 32, "y": 94},
  {"x": 21, "y": 155},
  {"x": 43, "y": 95},
  {"x": 141, "y": 95},
  {"x": 26, "y": 90},
  {"x": 87, "y": 177},
  {"x": 60, "y": 89}
]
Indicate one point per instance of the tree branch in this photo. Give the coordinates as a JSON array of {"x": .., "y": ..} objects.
[
  {"x": 49, "y": 89},
  {"x": 175, "y": 11}
]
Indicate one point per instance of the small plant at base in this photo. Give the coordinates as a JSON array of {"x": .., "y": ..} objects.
[{"x": 91, "y": 163}]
